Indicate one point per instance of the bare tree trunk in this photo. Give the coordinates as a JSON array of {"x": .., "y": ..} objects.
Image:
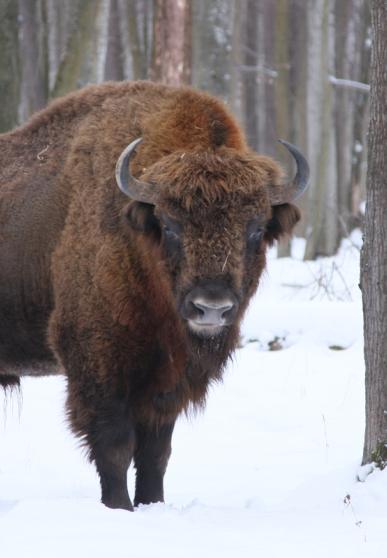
[
  {"x": 298, "y": 89},
  {"x": 250, "y": 71},
  {"x": 374, "y": 255},
  {"x": 114, "y": 55},
  {"x": 212, "y": 45},
  {"x": 282, "y": 66},
  {"x": 267, "y": 77},
  {"x": 351, "y": 25},
  {"x": 83, "y": 61},
  {"x": 322, "y": 213},
  {"x": 9, "y": 65},
  {"x": 33, "y": 57},
  {"x": 61, "y": 20},
  {"x": 135, "y": 20},
  {"x": 361, "y": 120},
  {"x": 172, "y": 42},
  {"x": 257, "y": 73},
  {"x": 281, "y": 88},
  {"x": 235, "y": 95},
  {"x": 131, "y": 44}
]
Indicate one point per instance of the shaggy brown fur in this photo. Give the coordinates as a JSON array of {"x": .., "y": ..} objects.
[{"x": 92, "y": 283}]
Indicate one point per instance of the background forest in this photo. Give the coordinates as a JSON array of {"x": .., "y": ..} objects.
[
  {"x": 272, "y": 467},
  {"x": 288, "y": 68}
]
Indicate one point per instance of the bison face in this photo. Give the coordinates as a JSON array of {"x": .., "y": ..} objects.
[
  {"x": 213, "y": 213},
  {"x": 215, "y": 254}
]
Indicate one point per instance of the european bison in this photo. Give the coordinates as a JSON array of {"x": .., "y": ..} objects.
[{"x": 136, "y": 293}]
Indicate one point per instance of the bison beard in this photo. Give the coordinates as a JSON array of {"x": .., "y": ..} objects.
[{"x": 135, "y": 295}]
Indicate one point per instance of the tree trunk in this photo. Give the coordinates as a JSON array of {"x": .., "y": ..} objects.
[
  {"x": 212, "y": 45},
  {"x": 84, "y": 59},
  {"x": 114, "y": 55},
  {"x": 235, "y": 94},
  {"x": 172, "y": 42},
  {"x": 322, "y": 213},
  {"x": 33, "y": 58},
  {"x": 351, "y": 24},
  {"x": 250, "y": 71},
  {"x": 374, "y": 254},
  {"x": 281, "y": 87},
  {"x": 9, "y": 65}
]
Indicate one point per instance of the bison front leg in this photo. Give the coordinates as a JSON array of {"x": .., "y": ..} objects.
[
  {"x": 153, "y": 449},
  {"x": 112, "y": 458},
  {"x": 105, "y": 426}
]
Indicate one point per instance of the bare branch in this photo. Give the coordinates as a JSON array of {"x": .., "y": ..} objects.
[{"x": 349, "y": 83}]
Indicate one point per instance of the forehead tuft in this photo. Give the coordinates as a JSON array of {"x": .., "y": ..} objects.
[{"x": 198, "y": 180}]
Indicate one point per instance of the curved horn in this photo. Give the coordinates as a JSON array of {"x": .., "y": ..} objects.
[
  {"x": 294, "y": 189},
  {"x": 130, "y": 186}
]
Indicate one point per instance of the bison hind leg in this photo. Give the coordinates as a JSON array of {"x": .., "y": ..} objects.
[
  {"x": 9, "y": 382},
  {"x": 10, "y": 386}
]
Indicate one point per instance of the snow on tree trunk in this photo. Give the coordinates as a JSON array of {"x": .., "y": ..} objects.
[{"x": 374, "y": 254}]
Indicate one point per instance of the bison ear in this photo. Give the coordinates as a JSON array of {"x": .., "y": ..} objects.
[
  {"x": 141, "y": 218},
  {"x": 283, "y": 220}
]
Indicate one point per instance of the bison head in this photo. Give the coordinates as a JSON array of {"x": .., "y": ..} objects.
[{"x": 214, "y": 213}]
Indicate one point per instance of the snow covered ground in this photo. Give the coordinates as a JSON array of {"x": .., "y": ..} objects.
[{"x": 270, "y": 469}]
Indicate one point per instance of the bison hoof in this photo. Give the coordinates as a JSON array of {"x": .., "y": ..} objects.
[{"x": 116, "y": 504}]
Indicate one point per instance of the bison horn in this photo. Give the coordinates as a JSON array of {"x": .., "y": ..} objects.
[
  {"x": 293, "y": 190},
  {"x": 135, "y": 189}
]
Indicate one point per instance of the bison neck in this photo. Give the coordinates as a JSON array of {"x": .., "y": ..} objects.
[{"x": 207, "y": 358}]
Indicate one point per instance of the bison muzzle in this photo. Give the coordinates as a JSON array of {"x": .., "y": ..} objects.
[{"x": 135, "y": 293}]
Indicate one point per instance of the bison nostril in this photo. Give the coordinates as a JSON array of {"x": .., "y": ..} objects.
[
  {"x": 213, "y": 312},
  {"x": 212, "y": 306},
  {"x": 226, "y": 310},
  {"x": 196, "y": 308}
]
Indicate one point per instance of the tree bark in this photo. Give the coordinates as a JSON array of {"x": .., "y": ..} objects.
[
  {"x": 114, "y": 55},
  {"x": 281, "y": 87},
  {"x": 351, "y": 25},
  {"x": 83, "y": 61},
  {"x": 172, "y": 42},
  {"x": 374, "y": 254},
  {"x": 9, "y": 65},
  {"x": 322, "y": 213},
  {"x": 33, "y": 57}
]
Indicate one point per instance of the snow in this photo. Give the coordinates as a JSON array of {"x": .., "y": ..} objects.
[{"x": 269, "y": 469}]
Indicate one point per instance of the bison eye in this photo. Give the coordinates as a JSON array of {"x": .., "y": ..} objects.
[
  {"x": 171, "y": 230},
  {"x": 255, "y": 236},
  {"x": 170, "y": 234},
  {"x": 254, "y": 232}
]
